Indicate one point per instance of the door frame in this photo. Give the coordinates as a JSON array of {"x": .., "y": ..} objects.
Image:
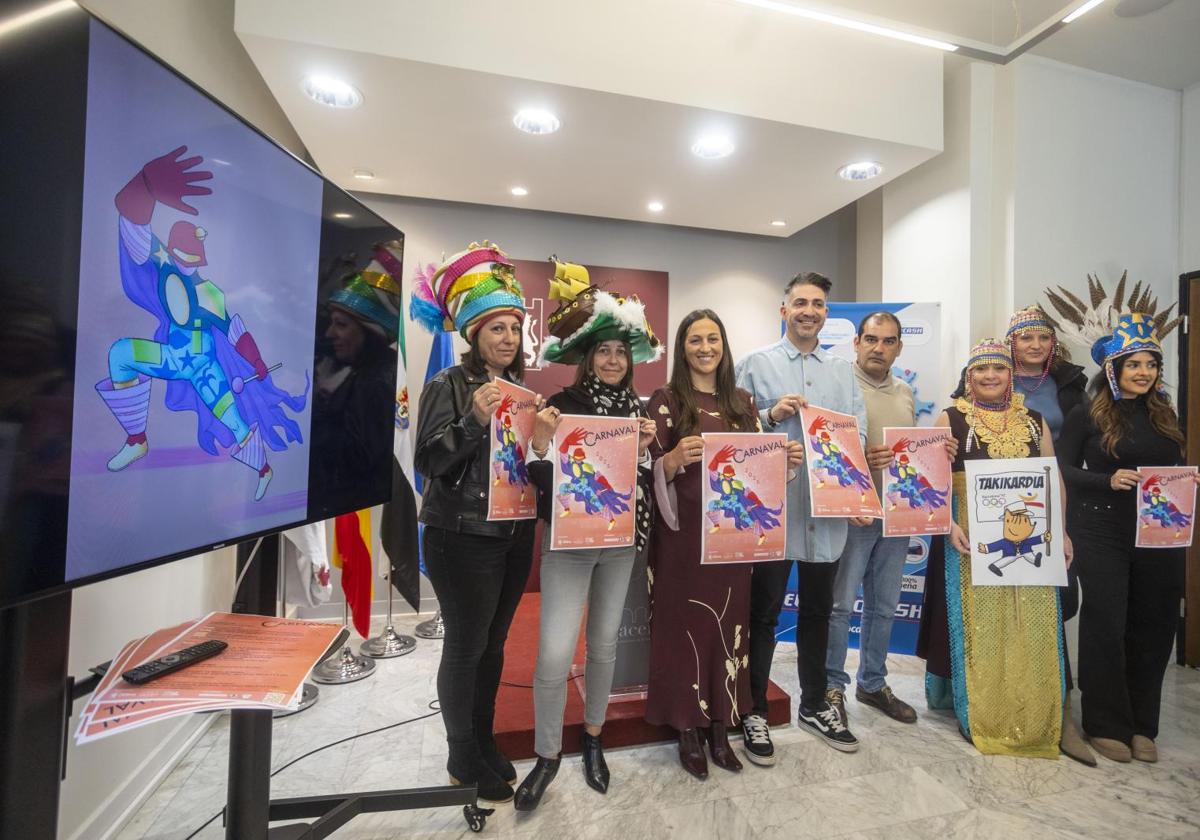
[{"x": 1187, "y": 648}]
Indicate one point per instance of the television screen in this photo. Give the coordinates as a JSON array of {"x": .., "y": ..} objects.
[{"x": 206, "y": 354}]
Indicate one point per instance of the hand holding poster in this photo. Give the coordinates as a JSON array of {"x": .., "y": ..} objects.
[
  {"x": 916, "y": 487},
  {"x": 511, "y": 495},
  {"x": 1166, "y": 507},
  {"x": 1016, "y": 523},
  {"x": 744, "y": 498},
  {"x": 839, "y": 480},
  {"x": 595, "y": 482}
]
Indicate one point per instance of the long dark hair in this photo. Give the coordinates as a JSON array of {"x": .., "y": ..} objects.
[
  {"x": 473, "y": 361},
  {"x": 585, "y": 367},
  {"x": 1114, "y": 425},
  {"x": 735, "y": 410}
]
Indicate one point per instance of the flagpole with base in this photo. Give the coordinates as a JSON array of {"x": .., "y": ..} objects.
[
  {"x": 389, "y": 643},
  {"x": 434, "y": 628},
  {"x": 346, "y": 667}
]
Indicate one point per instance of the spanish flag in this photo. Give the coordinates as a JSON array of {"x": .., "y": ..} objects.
[{"x": 352, "y": 554}]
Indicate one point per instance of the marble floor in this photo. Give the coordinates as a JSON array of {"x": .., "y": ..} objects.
[{"x": 905, "y": 782}]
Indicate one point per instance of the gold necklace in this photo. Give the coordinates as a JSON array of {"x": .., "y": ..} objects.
[{"x": 1011, "y": 440}]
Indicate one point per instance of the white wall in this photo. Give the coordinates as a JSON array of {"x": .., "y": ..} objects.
[
  {"x": 1096, "y": 183},
  {"x": 1189, "y": 182}
]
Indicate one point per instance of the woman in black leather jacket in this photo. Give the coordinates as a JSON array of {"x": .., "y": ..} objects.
[{"x": 478, "y": 568}]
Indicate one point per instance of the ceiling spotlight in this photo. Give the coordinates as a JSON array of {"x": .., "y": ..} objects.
[
  {"x": 536, "y": 121},
  {"x": 713, "y": 146},
  {"x": 863, "y": 171},
  {"x": 342, "y": 216},
  {"x": 655, "y": 206},
  {"x": 519, "y": 191},
  {"x": 332, "y": 92},
  {"x": 364, "y": 174},
  {"x": 1082, "y": 10}
]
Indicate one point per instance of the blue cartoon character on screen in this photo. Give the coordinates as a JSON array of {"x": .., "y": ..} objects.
[
  {"x": 510, "y": 457},
  {"x": 1157, "y": 508},
  {"x": 736, "y": 501},
  {"x": 584, "y": 485},
  {"x": 207, "y": 357},
  {"x": 833, "y": 462},
  {"x": 910, "y": 486}
]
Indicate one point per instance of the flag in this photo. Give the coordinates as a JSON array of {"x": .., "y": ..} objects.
[
  {"x": 399, "y": 535},
  {"x": 352, "y": 554}
]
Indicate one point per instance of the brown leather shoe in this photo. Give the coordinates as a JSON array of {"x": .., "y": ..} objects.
[
  {"x": 837, "y": 698},
  {"x": 691, "y": 754},
  {"x": 888, "y": 703},
  {"x": 1143, "y": 749},
  {"x": 718, "y": 746},
  {"x": 1112, "y": 749}
]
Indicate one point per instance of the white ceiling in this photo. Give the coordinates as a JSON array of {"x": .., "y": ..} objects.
[{"x": 634, "y": 84}]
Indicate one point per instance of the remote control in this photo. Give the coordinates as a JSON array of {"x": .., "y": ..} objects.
[{"x": 172, "y": 662}]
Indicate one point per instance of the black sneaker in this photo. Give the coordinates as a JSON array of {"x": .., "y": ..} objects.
[
  {"x": 826, "y": 723},
  {"x": 836, "y": 697},
  {"x": 888, "y": 703},
  {"x": 756, "y": 740}
]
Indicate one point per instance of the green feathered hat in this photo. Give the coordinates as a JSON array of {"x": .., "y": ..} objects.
[{"x": 587, "y": 315}]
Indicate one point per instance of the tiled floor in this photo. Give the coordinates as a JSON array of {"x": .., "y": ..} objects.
[{"x": 906, "y": 782}]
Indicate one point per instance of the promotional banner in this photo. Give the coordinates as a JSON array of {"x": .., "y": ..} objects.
[
  {"x": 1167, "y": 508},
  {"x": 839, "y": 481},
  {"x": 595, "y": 482},
  {"x": 745, "y": 500},
  {"x": 920, "y": 366},
  {"x": 511, "y": 495},
  {"x": 1016, "y": 523},
  {"x": 916, "y": 487}
]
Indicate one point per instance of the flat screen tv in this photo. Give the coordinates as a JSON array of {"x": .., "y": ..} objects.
[{"x": 174, "y": 378}]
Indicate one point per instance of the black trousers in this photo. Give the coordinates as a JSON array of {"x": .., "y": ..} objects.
[
  {"x": 1127, "y": 624},
  {"x": 479, "y": 582},
  {"x": 768, "y": 586}
]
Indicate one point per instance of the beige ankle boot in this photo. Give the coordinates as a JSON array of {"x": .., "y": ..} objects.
[{"x": 1071, "y": 741}]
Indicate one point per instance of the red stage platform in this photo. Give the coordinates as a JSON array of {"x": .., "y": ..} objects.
[{"x": 625, "y": 726}]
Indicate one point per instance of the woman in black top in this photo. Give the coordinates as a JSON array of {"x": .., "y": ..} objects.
[
  {"x": 1130, "y": 595},
  {"x": 478, "y": 568}
]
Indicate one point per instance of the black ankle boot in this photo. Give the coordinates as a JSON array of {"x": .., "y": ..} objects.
[
  {"x": 529, "y": 794},
  {"x": 595, "y": 771},
  {"x": 490, "y": 752},
  {"x": 466, "y": 767}
]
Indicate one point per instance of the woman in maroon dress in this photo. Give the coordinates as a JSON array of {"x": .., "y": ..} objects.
[{"x": 699, "y": 682}]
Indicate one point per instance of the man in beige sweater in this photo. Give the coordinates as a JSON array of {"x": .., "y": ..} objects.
[{"x": 870, "y": 559}]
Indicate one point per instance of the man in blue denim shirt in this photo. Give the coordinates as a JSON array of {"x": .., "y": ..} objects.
[{"x": 784, "y": 376}]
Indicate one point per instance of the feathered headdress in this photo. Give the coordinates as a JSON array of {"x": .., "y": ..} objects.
[
  {"x": 1112, "y": 327},
  {"x": 468, "y": 289}
]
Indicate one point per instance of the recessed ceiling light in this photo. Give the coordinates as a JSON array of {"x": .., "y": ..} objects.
[
  {"x": 364, "y": 174},
  {"x": 713, "y": 146},
  {"x": 342, "y": 216},
  {"x": 1082, "y": 10},
  {"x": 655, "y": 206},
  {"x": 519, "y": 191},
  {"x": 862, "y": 171},
  {"x": 332, "y": 92},
  {"x": 536, "y": 121},
  {"x": 779, "y": 223}
]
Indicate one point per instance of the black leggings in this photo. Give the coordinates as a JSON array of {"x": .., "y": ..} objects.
[{"x": 479, "y": 582}]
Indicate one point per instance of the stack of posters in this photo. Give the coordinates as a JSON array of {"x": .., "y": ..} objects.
[{"x": 264, "y": 667}]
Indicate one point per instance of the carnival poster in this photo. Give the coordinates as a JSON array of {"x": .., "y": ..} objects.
[
  {"x": 744, "y": 498},
  {"x": 595, "y": 482},
  {"x": 511, "y": 495},
  {"x": 839, "y": 481},
  {"x": 1166, "y": 507},
  {"x": 916, "y": 487},
  {"x": 1016, "y": 522}
]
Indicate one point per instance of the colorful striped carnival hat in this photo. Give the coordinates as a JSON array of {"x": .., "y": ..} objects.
[
  {"x": 372, "y": 295},
  {"x": 468, "y": 289}
]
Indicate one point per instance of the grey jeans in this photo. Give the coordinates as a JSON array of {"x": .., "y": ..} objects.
[{"x": 599, "y": 579}]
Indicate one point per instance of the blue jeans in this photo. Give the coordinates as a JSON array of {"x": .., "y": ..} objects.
[{"x": 877, "y": 562}]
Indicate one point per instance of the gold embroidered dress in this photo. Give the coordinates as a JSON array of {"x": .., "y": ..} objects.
[{"x": 1004, "y": 642}]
